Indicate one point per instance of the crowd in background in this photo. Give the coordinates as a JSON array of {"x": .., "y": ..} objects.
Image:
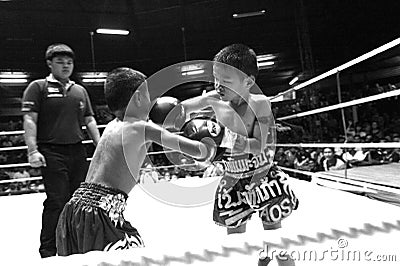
[{"x": 377, "y": 121}]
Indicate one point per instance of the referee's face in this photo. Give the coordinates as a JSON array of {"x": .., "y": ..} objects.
[{"x": 61, "y": 67}]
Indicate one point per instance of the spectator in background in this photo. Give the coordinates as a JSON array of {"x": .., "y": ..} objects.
[
  {"x": 6, "y": 142},
  {"x": 3, "y": 158},
  {"x": 368, "y": 138},
  {"x": 148, "y": 175},
  {"x": 285, "y": 158},
  {"x": 391, "y": 87},
  {"x": 331, "y": 161},
  {"x": 358, "y": 128},
  {"x": 355, "y": 156},
  {"x": 367, "y": 128},
  {"x": 394, "y": 155},
  {"x": 279, "y": 156},
  {"x": 303, "y": 161},
  {"x": 378, "y": 88},
  {"x": 20, "y": 173},
  {"x": 351, "y": 131},
  {"x": 55, "y": 109},
  {"x": 376, "y": 132}
]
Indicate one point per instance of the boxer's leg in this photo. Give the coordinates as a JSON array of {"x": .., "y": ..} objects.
[{"x": 237, "y": 230}]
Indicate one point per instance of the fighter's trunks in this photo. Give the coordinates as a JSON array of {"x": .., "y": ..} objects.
[
  {"x": 93, "y": 220},
  {"x": 252, "y": 183}
]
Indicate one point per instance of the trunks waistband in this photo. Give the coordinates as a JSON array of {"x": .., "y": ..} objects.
[
  {"x": 254, "y": 173},
  {"x": 111, "y": 200},
  {"x": 244, "y": 165}
]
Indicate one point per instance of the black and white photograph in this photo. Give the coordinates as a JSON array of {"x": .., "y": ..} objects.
[{"x": 200, "y": 132}]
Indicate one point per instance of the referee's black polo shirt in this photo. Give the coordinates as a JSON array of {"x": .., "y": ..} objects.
[{"x": 61, "y": 110}]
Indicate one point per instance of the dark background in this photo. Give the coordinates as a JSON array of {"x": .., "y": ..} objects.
[{"x": 307, "y": 36}]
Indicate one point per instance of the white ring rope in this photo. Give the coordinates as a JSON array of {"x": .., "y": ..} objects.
[
  {"x": 342, "y": 105},
  {"x": 13, "y": 148},
  {"x": 7, "y": 133},
  {"x": 314, "y": 175},
  {"x": 350, "y": 181},
  {"x": 40, "y": 178},
  {"x": 16, "y": 180},
  {"x": 334, "y": 71},
  {"x": 14, "y": 165},
  {"x": 161, "y": 152},
  {"x": 169, "y": 166},
  {"x": 383, "y": 145},
  {"x": 18, "y": 132},
  {"x": 4, "y": 149}
]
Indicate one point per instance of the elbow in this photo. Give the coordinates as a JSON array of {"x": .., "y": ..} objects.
[{"x": 88, "y": 120}]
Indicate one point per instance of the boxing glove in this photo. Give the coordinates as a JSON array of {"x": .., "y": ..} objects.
[
  {"x": 168, "y": 113},
  {"x": 206, "y": 130}
]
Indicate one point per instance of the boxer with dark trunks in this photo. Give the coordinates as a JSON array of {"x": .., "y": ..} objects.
[
  {"x": 251, "y": 182},
  {"x": 93, "y": 219}
]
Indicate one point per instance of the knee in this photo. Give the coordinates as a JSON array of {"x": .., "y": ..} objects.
[
  {"x": 272, "y": 226},
  {"x": 237, "y": 230}
]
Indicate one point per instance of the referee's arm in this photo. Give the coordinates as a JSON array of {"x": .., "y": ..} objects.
[{"x": 93, "y": 132}]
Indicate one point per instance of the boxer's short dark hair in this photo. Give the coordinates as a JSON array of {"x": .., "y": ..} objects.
[
  {"x": 239, "y": 56},
  {"x": 120, "y": 85}
]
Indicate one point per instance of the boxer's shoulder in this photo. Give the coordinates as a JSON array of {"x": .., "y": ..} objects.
[
  {"x": 259, "y": 99},
  {"x": 261, "y": 105}
]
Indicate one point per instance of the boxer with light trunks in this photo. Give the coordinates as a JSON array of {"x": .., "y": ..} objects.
[{"x": 251, "y": 183}]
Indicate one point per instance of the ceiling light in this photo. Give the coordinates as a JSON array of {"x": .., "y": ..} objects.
[
  {"x": 93, "y": 75},
  {"x": 93, "y": 80},
  {"x": 265, "y": 64},
  {"x": 265, "y": 60},
  {"x": 193, "y": 72},
  {"x": 19, "y": 81},
  {"x": 284, "y": 97},
  {"x": 265, "y": 57},
  {"x": 192, "y": 69},
  {"x": 249, "y": 14},
  {"x": 294, "y": 80},
  {"x": 112, "y": 31},
  {"x": 13, "y": 75}
]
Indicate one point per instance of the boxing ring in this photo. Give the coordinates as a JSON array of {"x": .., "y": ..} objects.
[
  {"x": 326, "y": 220},
  {"x": 345, "y": 217}
]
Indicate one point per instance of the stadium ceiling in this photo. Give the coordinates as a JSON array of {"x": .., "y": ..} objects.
[{"x": 303, "y": 35}]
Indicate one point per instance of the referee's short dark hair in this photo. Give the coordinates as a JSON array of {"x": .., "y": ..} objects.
[{"x": 58, "y": 49}]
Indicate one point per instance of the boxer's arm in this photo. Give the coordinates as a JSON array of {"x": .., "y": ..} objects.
[
  {"x": 192, "y": 148},
  {"x": 200, "y": 102},
  {"x": 262, "y": 128},
  {"x": 263, "y": 133}
]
